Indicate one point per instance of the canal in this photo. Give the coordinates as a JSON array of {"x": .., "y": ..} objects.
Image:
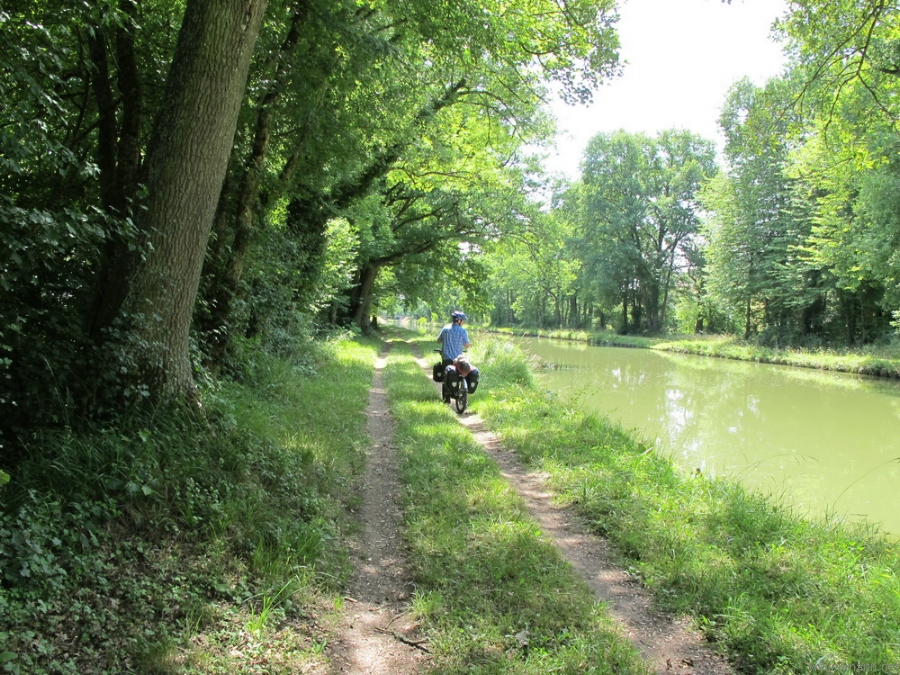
[{"x": 826, "y": 443}]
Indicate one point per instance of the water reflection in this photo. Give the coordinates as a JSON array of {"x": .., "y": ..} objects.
[{"x": 829, "y": 443}]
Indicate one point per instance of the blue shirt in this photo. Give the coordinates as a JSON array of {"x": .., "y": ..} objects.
[{"x": 453, "y": 339}]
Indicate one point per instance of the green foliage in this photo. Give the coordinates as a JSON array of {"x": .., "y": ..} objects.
[
  {"x": 801, "y": 230},
  {"x": 56, "y": 229},
  {"x": 48, "y": 238},
  {"x": 113, "y": 537},
  {"x": 503, "y": 362},
  {"x": 533, "y": 274},
  {"x": 458, "y": 87},
  {"x": 458, "y": 90},
  {"x": 636, "y": 213},
  {"x": 749, "y": 230},
  {"x": 799, "y": 240}
]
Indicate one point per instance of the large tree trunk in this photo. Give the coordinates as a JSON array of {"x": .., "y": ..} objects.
[
  {"x": 185, "y": 167},
  {"x": 239, "y": 208},
  {"x": 651, "y": 305},
  {"x": 363, "y": 309}
]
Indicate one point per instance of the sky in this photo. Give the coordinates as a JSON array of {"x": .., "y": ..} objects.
[{"x": 680, "y": 58}]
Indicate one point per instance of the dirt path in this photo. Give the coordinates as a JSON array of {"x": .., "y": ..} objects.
[
  {"x": 669, "y": 644},
  {"x": 376, "y": 635}
]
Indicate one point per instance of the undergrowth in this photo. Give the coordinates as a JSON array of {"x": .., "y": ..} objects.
[{"x": 168, "y": 542}]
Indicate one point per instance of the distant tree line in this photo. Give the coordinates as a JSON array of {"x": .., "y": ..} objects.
[{"x": 794, "y": 240}]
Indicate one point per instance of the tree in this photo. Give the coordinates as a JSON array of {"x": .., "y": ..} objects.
[
  {"x": 416, "y": 59},
  {"x": 106, "y": 202},
  {"x": 845, "y": 54},
  {"x": 801, "y": 230},
  {"x": 186, "y": 162},
  {"x": 533, "y": 273},
  {"x": 639, "y": 209},
  {"x": 750, "y": 229}
]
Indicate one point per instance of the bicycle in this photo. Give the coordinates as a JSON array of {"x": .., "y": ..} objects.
[{"x": 456, "y": 390}]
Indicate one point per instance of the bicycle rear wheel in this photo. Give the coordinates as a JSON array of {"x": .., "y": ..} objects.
[{"x": 462, "y": 398}]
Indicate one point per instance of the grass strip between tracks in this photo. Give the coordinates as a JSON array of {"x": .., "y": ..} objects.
[{"x": 495, "y": 596}]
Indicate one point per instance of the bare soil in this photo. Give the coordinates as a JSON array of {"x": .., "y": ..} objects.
[{"x": 376, "y": 635}]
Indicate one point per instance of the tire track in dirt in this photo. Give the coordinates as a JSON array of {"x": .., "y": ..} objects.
[
  {"x": 376, "y": 635},
  {"x": 669, "y": 644}
]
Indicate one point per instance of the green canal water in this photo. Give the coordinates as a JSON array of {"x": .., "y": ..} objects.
[{"x": 826, "y": 443}]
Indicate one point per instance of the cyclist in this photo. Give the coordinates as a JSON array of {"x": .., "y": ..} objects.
[{"x": 454, "y": 339}]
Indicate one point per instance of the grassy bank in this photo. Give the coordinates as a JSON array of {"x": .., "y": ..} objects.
[
  {"x": 495, "y": 597},
  {"x": 881, "y": 361},
  {"x": 876, "y": 362},
  {"x": 167, "y": 543},
  {"x": 779, "y": 593}
]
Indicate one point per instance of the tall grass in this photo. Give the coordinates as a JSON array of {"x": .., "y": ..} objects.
[
  {"x": 495, "y": 596},
  {"x": 780, "y": 593}
]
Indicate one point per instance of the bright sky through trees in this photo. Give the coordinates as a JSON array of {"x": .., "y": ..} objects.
[{"x": 681, "y": 56}]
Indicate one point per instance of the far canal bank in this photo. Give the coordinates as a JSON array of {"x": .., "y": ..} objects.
[{"x": 881, "y": 362}]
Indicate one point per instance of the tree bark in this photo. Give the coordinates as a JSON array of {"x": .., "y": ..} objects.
[
  {"x": 363, "y": 309},
  {"x": 185, "y": 168},
  {"x": 106, "y": 117},
  {"x": 129, "y": 83},
  {"x": 240, "y": 212}
]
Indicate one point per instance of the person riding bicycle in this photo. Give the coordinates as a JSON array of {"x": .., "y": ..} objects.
[{"x": 454, "y": 339}]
